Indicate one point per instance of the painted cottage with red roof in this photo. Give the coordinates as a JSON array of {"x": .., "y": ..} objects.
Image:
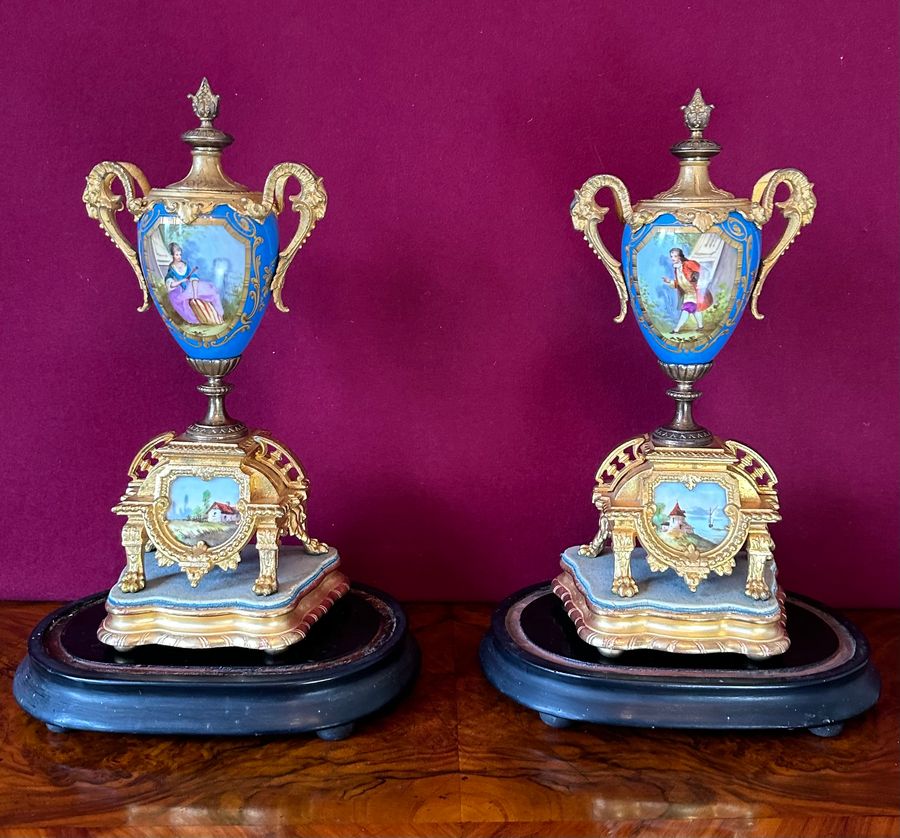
[{"x": 221, "y": 513}]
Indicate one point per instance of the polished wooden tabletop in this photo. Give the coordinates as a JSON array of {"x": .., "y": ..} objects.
[{"x": 454, "y": 758}]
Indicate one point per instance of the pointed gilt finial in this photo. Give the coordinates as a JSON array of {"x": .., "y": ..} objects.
[
  {"x": 205, "y": 103},
  {"x": 696, "y": 114},
  {"x": 206, "y": 108}
]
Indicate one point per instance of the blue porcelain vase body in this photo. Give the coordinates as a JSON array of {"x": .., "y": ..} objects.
[
  {"x": 689, "y": 288},
  {"x": 211, "y": 279}
]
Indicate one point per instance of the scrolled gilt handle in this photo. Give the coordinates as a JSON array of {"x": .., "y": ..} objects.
[
  {"x": 586, "y": 217},
  {"x": 310, "y": 205},
  {"x": 798, "y": 210},
  {"x": 103, "y": 204}
]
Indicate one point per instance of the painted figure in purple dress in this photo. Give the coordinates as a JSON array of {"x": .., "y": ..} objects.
[{"x": 195, "y": 300}]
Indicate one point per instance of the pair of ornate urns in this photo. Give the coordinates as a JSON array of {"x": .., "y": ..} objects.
[{"x": 221, "y": 496}]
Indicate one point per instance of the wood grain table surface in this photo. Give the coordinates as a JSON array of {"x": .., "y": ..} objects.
[{"x": 454, "y": 758}]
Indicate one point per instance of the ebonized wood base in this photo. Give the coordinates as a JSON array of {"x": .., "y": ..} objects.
[
  {"x": 358, "y": 658},
  {"x": 533, "y": 654}
]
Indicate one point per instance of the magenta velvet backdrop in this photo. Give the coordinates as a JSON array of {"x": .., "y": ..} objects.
[{"x": 450, "y": 374}]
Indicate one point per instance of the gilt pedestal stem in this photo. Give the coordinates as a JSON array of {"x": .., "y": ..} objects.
[
  {"x": 683, "y": 431},
  {"x": 217, "y": 425}
]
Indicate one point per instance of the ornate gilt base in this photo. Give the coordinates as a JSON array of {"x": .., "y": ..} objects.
[
  {"x": 225, "y": 611},
  {"x": 197, "y": 505},
  {"x": 665, "y": 618}
]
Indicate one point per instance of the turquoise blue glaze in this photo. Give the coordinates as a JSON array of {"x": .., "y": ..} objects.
[
  {"x": 228, "y": 261},
  {"x": 655, "y": 304}
]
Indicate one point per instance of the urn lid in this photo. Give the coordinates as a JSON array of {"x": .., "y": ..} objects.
[
  {"x": 693, "y": 192},
  {"x": 206, "y": 179}
]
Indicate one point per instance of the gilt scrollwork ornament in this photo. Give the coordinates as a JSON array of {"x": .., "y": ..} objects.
[
  {"x": 587, "y": 215},
  {"x": 310, "y": 205},
  {"x": 102, "y": 204},
  {"x": 798, "y": 210},
  {"x": 702, "y": 219}
]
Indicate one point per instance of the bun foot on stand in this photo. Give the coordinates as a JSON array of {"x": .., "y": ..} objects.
[
  {"x": 609, "y": 653},
  {"x": 827, "y": 731},
  {"x": 555, "y": 721},
  {"x": 333, "y": 734}
]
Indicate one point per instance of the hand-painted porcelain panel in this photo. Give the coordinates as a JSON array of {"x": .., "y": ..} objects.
[
  {"x": 689, "y": 288},
  {"x": 203, "y": 511},
  {"x": 210, "y": 279},
  {"x": 687, "y": 516}
]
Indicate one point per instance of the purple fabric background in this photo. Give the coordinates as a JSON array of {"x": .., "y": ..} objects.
[{"x": 450, "y": 374}]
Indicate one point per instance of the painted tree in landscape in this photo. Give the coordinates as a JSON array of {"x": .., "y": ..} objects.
[{"x": 659, "y": 516}]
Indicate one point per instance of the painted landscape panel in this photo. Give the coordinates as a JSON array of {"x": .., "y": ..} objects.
[
  {"x": 203, "y": 510},
  {"x": 691, "y": 516}
]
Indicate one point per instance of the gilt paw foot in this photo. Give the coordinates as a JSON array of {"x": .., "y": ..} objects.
[
  {"x": 314, "y": 547},
  {"x": 132, "y": 583},
  {"x": 624, "y": 586},
  {"x": 757, "y": 589},
  {"x": 265, "y": 585}
]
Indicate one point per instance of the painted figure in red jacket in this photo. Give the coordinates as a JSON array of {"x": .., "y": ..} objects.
[{"x": 686, "y": 279}]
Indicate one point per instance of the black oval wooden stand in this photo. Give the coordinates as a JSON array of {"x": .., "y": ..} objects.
[
  {"x": 358, "y": 658},
  {"x": 533, "y": 654}
]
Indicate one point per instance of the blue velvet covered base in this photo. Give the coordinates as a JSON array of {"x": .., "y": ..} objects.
[
  {"x": 168, "y": 587},
  {"x": 667, "y": 592}
]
